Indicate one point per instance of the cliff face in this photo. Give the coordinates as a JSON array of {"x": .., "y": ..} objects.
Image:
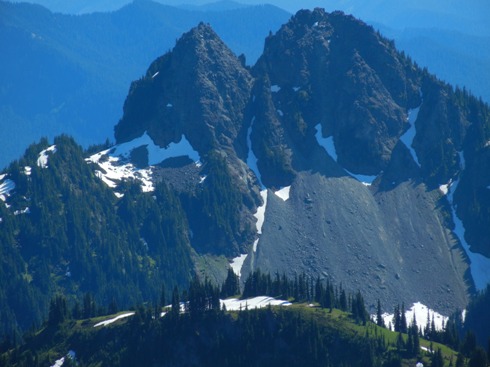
[{"x": 367, "y": 143}]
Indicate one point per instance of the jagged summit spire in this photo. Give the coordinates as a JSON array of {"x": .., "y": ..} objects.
[{"x": 197, "y": 89}]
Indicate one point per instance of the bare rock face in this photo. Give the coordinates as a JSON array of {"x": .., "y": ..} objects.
[
  {"x": 394, "y": 245},
  {"x": 345, "y": 77}
]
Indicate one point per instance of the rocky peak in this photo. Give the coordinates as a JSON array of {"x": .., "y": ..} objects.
[
  {"x": 349, "y": 79},
  {"x": 199, "y": 89}
]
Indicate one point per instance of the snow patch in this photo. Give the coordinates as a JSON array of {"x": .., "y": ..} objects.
[
  {"x": 110, "y": 321},
  {"x": 280, "y": 113},
  {"x": 23, "y": 211},
  {"x": 202, "y": 179},
  {"x": 237, "y": 264},
  {"x": 251, "y": 158},
  {"x": 364, "y": 179},
  {"x": 6, "y": 188},
  {"x": 283, "y": 193},
  {"x": 420, "y": 311},
  {"x": 58, "y": 363},
  {"x": 169, "y": 105},
  {"x": 115, "y": 165},
  {"x": 234, "y": 304},
  {"x": 42, "y": 160},
  {"x": 157, "y": 154},
  {"x": 326, "y": 143},
  {"x": 260, "y": 215},
  {"x": 296, "y": 88},
  {"x": 409, "y": 135},
  {"x": 444, "y": 189},
  {"x": 315, "y": 24},
  {"x": 275, "y": 88},
  {"x": 27, "y": 170},
  {"x": 479, "y": 264},
  {"x": 154, "y": 75}
]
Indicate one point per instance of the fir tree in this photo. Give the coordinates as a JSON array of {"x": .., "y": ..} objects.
[
  {"x": 403, "y": 320},
  {"x": 379, "y": 315}
]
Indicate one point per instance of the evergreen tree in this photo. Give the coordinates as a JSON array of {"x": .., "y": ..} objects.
[
  {"x": 175, "y": 302},
  {"x": 478, "y": 358},
  {"x": 163, "y": 297},
  {"x": 58, "y": 311},
  {"x": 460, "y": 360},
  {"x": 89, "y": 307},
  {"x": 379, "y": 315},
  {"x": 231, "y": 286},
  {"x": 403, "y": 320},
  {"x": 343, "y": 300},
  {"x": 397, "y": 318},
  {"x": 437, "y": 359},
  {"x": 469, "y": 344}
]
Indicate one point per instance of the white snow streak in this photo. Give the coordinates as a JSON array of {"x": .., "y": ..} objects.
[
  {"x": 27, "y": 170},
  {"x": 42, "y": 160},
  {"x": 154, "y": 75},
  {"x": 283, "y": 193},
  {"x": 260, "y": 215},
  {"x": 157, "y": 154},
  {"x": 110, "y": 321},
  {"x": 329, "y": 146},
  {"x": 326, "y": 143},
  {"x": 58, "y": 363},
  {"x": 5, "y": 188},
  {"x": 364, "y": 179},
  {"x": 237, "y": 264},
  {"x": 234, "y": 304},
  {"x": 479, "y": 264},
  {"x": 23, "y": 211},
  {"x": 409, "y": 135},
  {"x": 251, "y": 158},
  {"x": 280, "y": 113}
]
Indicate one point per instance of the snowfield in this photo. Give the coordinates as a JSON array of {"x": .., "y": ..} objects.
[
  {"x": 409, "y": 135},
  {"x": 42, "y": 160},
  {"x": 58, "y": 363},
  {"x": 479, "y": 264},
  {"x": 326, "y": 143},
  {"x": 251, "y": 158},
  {"x": 364, "y": 179},
  {"x": 234, "y": 304},
  {"x": 237, "y": 264},
  {"x": 110, "y": 321},
  {"x": 283, "y": 193},
  {"x": 115, "y": 165},
  {"x": 6, "y": 187},
  {"x": 420, "y": 312},
  {"x": 329, "y": 146},
  {"x": 260, "y": 215}
]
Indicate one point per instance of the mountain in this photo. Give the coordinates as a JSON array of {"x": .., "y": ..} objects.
[
  {"x": 93, "y": 58},
  {"x": 334, "y": 156},
  {"x": 330, "y": 78}
]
